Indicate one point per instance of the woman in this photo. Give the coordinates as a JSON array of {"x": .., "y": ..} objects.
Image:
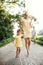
[{"x": 25, "y": 24}]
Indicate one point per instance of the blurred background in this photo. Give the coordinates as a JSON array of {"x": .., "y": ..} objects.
[{"x": 10, "y": 13}]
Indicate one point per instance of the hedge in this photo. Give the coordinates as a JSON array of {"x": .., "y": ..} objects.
[
  {"x": 39, "y": 40},
  {"x": 6, "y": 41}
]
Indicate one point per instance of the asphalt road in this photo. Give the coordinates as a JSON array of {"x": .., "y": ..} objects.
[{"x": 7, "y": 55}]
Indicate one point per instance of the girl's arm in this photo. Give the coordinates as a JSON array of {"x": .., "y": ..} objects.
[{"x": 21, "y": 35}]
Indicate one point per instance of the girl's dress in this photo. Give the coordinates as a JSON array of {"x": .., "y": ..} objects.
[{"x": 18, "y": 41}]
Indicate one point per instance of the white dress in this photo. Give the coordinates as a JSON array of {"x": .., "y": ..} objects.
[{"x": 26, "y": 27}]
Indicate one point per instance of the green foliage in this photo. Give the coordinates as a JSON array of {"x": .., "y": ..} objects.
[
  {"x": 9, "y": 1},
  {"x": 7, "y": 41},
  {"x": 17, "y": 17},
  {"x": 12, "y": 1},
  {"x": 6, "y": 27},
  {"x": 6, "y": 19},
  {"x": 39, "y": 40},
  {"x": 2, "y": 1}
]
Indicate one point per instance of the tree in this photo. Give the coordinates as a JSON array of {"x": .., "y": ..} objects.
[
  {"x": 6, "y": 19},
  {"x": 6, "y": 27}
]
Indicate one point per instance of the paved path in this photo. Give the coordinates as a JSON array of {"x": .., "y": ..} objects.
[{"x": 7, "y": 55}]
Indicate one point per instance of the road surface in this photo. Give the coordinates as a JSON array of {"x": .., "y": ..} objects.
[{"x": 7, "y": 55}]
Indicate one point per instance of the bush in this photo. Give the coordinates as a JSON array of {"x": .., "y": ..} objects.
[
  {"x": 6, "y": 27},
  {"x": 39, "y": 40},
  {"x": 6, "y": 41}
]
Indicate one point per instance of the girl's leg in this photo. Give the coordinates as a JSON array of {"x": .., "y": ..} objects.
[{"x": 17, "y": 52}]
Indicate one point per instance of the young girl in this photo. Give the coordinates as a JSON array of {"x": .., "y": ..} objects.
[{"x": 18, "y": 44}]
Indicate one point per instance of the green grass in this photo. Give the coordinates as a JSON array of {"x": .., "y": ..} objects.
[{"x": 6, "y": 41}]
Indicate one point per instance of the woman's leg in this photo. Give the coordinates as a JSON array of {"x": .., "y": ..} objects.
[
  {"x": 29, "y": 41},
  {"x": 27, "y": 44}
]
